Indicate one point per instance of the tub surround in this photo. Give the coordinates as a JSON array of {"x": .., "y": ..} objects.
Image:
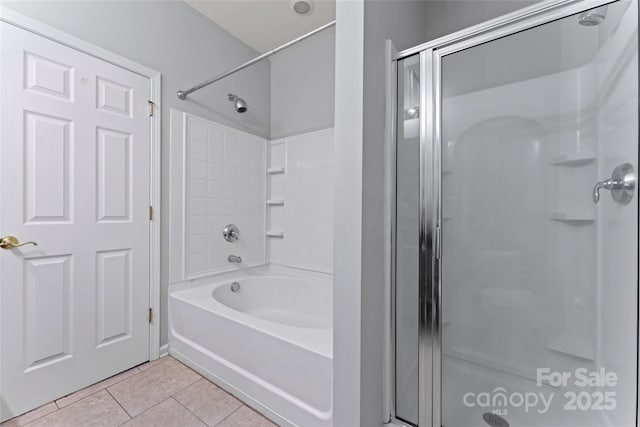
[
  {"x": 217, "y": 178},
  {"x": 269, "y": 341},
  {"x": 300, "y": 229}
]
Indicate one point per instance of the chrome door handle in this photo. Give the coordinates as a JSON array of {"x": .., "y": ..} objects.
[
  {"x": 622, "y": 185},
  {"x": 10, "y": 242}
]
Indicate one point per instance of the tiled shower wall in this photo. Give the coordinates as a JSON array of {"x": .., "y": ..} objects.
[
  {"x": 225, "y": 185},
  {"x": 301, "y": 227},
  {"x": 282, "y": 205}
]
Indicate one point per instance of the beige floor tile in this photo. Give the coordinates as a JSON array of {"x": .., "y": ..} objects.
[
  {"x": 207, "y": 401},
  {"x": 88, "y": 391},
  {"x": 168, "y": 413},
  {"x": 153, "y": 363},
  {"x": 99, "y": 409},
  {"x": 31, "y": 415},
  {"x": 152, "y": 386},
  {"x": 245, "y": 417}
]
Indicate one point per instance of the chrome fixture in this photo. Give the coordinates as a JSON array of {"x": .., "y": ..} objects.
[
  {"x": 182, "y": 94},
  {"x": 10, "y": 242},
  {"x": 593, "y": 17},
  {"x": 231, "y": 233},
  {"x": 238, "y": 103},
  {"x": 622, "y": 185},
  {"x": 412, "y": 112},
  {"x": 235, "y": 259},
  {"x": 235, "y": 287}
]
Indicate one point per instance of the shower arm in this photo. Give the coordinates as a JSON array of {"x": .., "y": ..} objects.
[{"x": 182, "y": 94}]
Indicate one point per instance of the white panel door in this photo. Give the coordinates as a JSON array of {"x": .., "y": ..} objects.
[{"x": 75, "y": 179}]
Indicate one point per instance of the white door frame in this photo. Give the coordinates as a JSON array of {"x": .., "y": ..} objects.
[{"x": 10, "y": 17}]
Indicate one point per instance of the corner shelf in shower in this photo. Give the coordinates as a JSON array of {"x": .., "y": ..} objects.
[
  {"x": 275, "y": 233},
  {"x": 275, "y": 202},
  {"x": 573, "y": 159},
  {"x": 572, "y": 216},
  {"x": 274, "y": 171}
]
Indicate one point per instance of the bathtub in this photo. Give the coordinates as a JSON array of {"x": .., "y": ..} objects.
[{"x": 270, "y": 343}]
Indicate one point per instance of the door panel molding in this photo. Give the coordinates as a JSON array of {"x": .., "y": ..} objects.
[{"x": 8, "y": 16}]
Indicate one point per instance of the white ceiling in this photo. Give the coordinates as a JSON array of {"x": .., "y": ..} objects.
[{"x": 264, "y": 24}]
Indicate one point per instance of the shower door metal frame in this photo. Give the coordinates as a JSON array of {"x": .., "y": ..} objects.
[{"x": 430, "y": 215}]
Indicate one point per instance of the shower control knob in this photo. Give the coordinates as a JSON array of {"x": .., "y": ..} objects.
[
  {"x": 231, "y": 233},
  {"x": 622, "y": 185}
]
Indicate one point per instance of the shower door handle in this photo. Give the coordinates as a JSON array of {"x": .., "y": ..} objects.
[{"x": 622, "y": 185}]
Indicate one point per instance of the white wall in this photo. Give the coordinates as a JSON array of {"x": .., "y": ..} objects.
[
  {"x": 359, "y": 261},
  {"x": 183, "y": 45},
  {"x": 302, "y": 86},
  {"x": 445, "y": 16},
  {"x": 348, "y": 213}
]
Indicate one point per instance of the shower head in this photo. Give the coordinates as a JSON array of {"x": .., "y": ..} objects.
[
  {"x": 593, "y": 17},
  {"x": 238, "y": 103}
]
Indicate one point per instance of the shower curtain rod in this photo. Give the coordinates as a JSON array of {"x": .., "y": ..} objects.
[{"x": 182, "y": 94}]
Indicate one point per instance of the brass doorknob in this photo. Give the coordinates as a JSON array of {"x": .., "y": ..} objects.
[{"x": 10, "y": 242}]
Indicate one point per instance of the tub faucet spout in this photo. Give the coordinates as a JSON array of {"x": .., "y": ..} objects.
[{"x": 234, "y": 258}]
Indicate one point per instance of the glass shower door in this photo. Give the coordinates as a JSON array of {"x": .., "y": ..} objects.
[
  {"x": 407, "y": 254},
  {"x": 538, "y": 272}
]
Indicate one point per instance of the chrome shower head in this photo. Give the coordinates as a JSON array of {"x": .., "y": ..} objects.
[
  {"x": 238, "y": 103},
  {"x": 593, "y": 17}
]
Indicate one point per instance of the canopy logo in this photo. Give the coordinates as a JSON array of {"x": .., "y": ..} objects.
[
  {"x": 584, "y": 390},
  {"x": 500, "y": 399}
]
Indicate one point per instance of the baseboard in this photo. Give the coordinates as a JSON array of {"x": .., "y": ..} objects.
[{"x": 164, "y": 350}]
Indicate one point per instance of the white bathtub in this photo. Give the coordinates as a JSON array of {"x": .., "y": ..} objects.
[{"x": 269, "y": 343}]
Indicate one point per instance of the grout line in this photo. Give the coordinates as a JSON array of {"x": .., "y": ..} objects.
[
  {"x": 98, "y": 390},
  {"x": 187, "y": 386},
  {"x": 146, "y": 410},
  {"x": 236, "y": 410},
  {"x": 125, "y": 411},
  {"x": 189, "y": 410}
]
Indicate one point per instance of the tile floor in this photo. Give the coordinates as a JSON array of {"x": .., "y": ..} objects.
[{"x": 162, "y": 393}]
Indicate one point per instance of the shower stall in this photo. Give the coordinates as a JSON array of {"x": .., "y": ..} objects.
[{"x": 515, "y": 237}]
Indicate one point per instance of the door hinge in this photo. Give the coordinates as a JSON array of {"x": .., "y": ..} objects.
[
  {"x": 150, "y": 108},
  {"x": 150, "y": 314},
  {"x": 150, "y": 213}
]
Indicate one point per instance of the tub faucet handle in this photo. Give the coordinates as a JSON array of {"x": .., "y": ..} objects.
[{"x": 231, "y": 233}]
